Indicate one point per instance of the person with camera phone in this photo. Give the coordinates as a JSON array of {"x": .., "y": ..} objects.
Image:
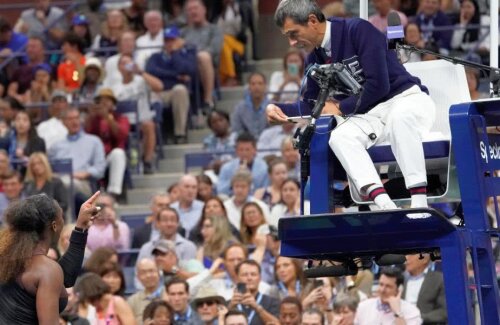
[{"x": 259, "y": 308}]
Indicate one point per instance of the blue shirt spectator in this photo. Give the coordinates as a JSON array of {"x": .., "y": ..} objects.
[
  {"x": 11, "y": 41},
  {"x": 430, "y": 17}
]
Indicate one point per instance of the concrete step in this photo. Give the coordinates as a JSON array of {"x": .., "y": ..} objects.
[
  {"x": 227, "y": 105},
  {"x": 197, "y": 135},
  {"x": 172, "y": 165},
  {"x": 179, "y": 150},
  {"x": 232, "y": 93},
  {"x": 133, "y": 209},
  {"x": 142, "y": 195},
  {"x": 159, "y": 180}
]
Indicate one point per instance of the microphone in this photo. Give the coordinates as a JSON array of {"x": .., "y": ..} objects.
[
  {"x": 390, "y": 259},
  {"x": 395, "y": 30}
]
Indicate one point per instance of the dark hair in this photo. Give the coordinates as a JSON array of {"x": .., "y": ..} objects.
[
  {"x": 395, "y": 273},
  {"x": 87, "y": 38},
  {"x": 235, "y": 312},
  {"x": 256, "y": 73},
  {"x": 298, "y": 11},
  {"x": 294, "y": 51},
  {"x": 247, "y": 262},
  {"x": 27, "y": 219},
  {"x": 171, "y": 187},
  {"x": 177, "y": 281},
  {"x": 32, "y": 134},
  {"x": 115, "y": 268},
  {"x": 91, "y": 287},
  {"x": 5, "y": 26},
  {"x": 167, "y": 209},
  {"x": 316, "y": 311},
  {"x": 246, "y": 137},
  {"x": 274, "y": 162},
  {"x": 11, "y": 174},
  {"x": 13, "y": 103},
  {"x": 151, "y": 308},
  {"x": 202, "y": 178},
  {"x": 230, "y": 246},
  {"x": 292, "y": 300},
  {"x": 74, "y": 40},
  {"x": 299, "y": 271},
  {"x": 218, "y": 112},
  {"x": 472, "y": 33},
  {"x": 291, "y": 180}
]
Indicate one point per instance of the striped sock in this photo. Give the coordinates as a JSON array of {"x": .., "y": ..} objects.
[
  {"x": 418, "y": 197},
  {"x": 377, "y": 194}
]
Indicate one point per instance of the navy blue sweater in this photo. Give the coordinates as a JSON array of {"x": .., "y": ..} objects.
[
  {"x": 363, "y": 49},
  {"x": 167, "y": 67}
]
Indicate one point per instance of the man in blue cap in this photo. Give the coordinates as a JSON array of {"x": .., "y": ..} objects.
[{"x": 174, "y": 67}]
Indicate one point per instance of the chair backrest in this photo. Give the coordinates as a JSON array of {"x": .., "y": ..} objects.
[
  {"x": 62, "y": 166},
  {"x": 447, "y": 85},
  {"x": 134, "y": 221}
]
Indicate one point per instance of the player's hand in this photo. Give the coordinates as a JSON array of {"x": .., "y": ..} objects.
[
  {"x": 88, "y": 212},
  {"x": 275, "y": 115}
]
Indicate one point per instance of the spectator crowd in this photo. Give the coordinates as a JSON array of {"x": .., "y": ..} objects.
[{"x": 103, "y": 85}]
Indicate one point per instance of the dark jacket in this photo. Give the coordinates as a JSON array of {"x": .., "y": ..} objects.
[{"x": 54, "y": 188}]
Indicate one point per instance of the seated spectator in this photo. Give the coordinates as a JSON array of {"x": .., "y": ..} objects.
[
  {"x": 241, "y": 184},
  {"x": 312, "y": 316},
  {"x": 152, "y": 41},
  {"x": 93, "y": 11},
  {"x": 290, "y": 202},
  {"x": 24, "y": 74},
  {"x": 230, "y": 23},
  {"x": 214, "y": 207},
  {"x": 249, "y": 115},
  {"x": 284, "y": 85},
  {"x": 12, "y": 184},
  {"x": 113, "y": 276},
  {"x": 187, "y": 206},
  {"x": 174, "y": 67},
  {"x": 149, "y": 276},
  {"x": 344, "y": 309},
  {"x": 216, "y": 236},
  {"x": 94, "y": 290},
  {"x": 40, "y": 179},
  {"x": 467, "y": 33},
  {"x": 252, "y": 217},
  {"x": 174, "y": 13},
  {"x": 431, "y": 16},
  {"x": 100, "y": 259},
  {"x": 222, "y": 138},
  {"x": 24, "y": 139},
  {"x": 167, "y": 222},
  {"x": 235, "y": 317},
  {"x": 69, "y": 71},
  {"x": 178, "y": 293},
  {"x": 246, "y": 152},
  {"x": 207, "y": 304},
  {"x": 53, "y": 129},
  {"x": 208, "y": 39},
  {"x": 135, "y": 15},
  {"x": 388, "y": 307},
  {"x": 424, "y": 288},
  {"x": 9, "y": 107},
  {"x": 10, "y": 41},
  {"x": 80, "y": 26},
  {"x": 149, "y": 231},
  {"x": 170, "y": 266},
  {"x": 44, "y": 21},
  {"x": 278, "y": 173},
  {"x": 107, "y": 230},
  {"x": 86, "y": 152},
  {"x": 290, "y": 311},
  {"x": 205, "y": 188},
  {"x": 112, "y": 128},
  {"x": 126, "y": 46},
  {"x": 158, "y": 312},
  {"x": 4, "y": 166},
  {"x": 290, "y": 279},
  {"x": 134, "y": 85},
  {"x": 321, "y": 296},
  {"x": 173, "y": 192},
  {"x": 472, "y": 76},
  {"x": 383, "y": 8},
  {"x": 259, "y": 308},
  {"x": 92, "y": 78},
  {"x": 40, "y": 90},
  {"x": 272, "y": 137},
  {"x": 104, "y": 43},
  {"x": 413, "y": 36},
  {"x": 291, "y": 157}
]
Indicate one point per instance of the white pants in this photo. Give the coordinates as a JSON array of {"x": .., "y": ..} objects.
[
  {"x": 117, "y": 162},
  {"x": 400, "y": 121}
]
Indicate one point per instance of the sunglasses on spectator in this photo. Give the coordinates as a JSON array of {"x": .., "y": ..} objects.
[{"x": 209, "y": 303}]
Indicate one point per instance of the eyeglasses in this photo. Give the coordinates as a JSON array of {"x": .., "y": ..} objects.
[{"x": 209, "y": 303}]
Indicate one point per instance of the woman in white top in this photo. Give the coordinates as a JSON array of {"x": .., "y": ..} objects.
[
  {"x": 290, "y": 201},
  {"x": 134, "y": 86},
  {"x": 284, "y": 85}
]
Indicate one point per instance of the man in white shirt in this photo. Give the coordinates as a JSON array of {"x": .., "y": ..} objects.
[
  {"x": 126, "y": 46},
  {"x": 188, "y": 207},
  {"x": 388, "y": 308},
  {"x": 153, "y": 38},
  {"x": 53, "y": 129}
]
